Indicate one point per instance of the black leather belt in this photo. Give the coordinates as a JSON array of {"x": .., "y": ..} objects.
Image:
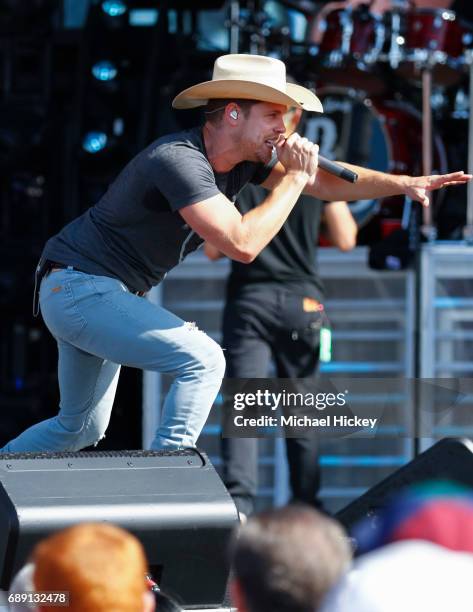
[{"x": 61, "y": 266}]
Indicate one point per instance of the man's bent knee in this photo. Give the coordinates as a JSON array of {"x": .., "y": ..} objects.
[
  {"x": 214, "y": 360},
  {"x": 87, "y": 435}
]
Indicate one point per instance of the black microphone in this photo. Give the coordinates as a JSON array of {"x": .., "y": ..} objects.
[
  {"x": 333, "y": 168},
  {"x": 337, "y": 170}
]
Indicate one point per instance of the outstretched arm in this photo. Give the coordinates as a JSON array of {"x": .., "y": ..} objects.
[{"x": 372, "y": 184}]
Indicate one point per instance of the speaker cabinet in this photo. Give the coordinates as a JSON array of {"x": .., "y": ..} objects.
[
  {"x": 174, "y": 502},
  {"x": 449, "y": 459}
]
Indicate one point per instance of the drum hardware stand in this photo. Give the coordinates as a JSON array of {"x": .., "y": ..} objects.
[
  {"x": 406, "y": 212},
  {"x": 347, "y": 33},
  {"x": 234, "y": 25},
  {"x": 427, "y": 229},
  {"x": 337, "y": 56},
  {"x": 397, "y": 40},
  {"x": 379, "y": 36},
  {"x": 254, "y": 25},
  {"x": 468, "y": 229},
  {"x": 395, "y": 49}
]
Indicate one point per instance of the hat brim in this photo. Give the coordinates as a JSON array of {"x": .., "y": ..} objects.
[{"x": 295, "y": 95}]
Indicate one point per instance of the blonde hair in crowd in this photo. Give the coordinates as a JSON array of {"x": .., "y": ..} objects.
[{"x": 102, "y": 567}]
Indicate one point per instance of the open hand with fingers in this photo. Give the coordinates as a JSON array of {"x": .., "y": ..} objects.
[
  {"x": 418, "y": 187},
  {"x": 297, "y": 154}
]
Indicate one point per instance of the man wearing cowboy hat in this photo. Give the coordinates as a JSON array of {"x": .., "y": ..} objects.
[{"x": 171, "y": 197}]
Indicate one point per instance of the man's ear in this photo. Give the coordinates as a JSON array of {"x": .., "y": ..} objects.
[
  {"x": 149, "y": 602},
  {"x": 237, "y": 596}
]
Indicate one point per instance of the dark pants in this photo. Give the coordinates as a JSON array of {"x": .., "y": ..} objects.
[{"x": 263, "y": 322}]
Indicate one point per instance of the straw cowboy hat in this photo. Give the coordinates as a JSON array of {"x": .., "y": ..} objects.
[{"x": 251, "y": 77}]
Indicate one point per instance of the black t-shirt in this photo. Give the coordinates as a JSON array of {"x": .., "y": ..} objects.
[
  {"x": 135, "y": 232},
  {"x": 289, "y": 258}
]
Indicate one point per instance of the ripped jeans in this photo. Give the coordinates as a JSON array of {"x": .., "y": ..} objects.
[{"x": 98, "y": 325}]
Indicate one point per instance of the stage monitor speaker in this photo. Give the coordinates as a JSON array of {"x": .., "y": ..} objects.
[
  {"x": 174, "y": 502},
  {"x": 449, "y": 459}
]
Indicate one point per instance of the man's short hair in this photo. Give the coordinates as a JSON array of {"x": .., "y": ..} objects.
[
  {"x": 103, "y": 567},
  {"x": 215, "y": 108},
  {"x": 286, "y": 560}
]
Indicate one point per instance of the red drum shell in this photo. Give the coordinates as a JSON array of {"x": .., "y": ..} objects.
[
  {"x": 436, "y": 38},
  {"x": 361, "y": 39},
  {"x": 435, "y": 30},
  {"x": 348, "y": 51}
]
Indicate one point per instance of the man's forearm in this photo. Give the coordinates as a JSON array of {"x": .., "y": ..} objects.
[
  {"x": 262, "y": 223},
  {"x": 370, "y": 184}
]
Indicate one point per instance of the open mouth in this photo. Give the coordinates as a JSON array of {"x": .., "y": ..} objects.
[{"x": 271, "y": 142}]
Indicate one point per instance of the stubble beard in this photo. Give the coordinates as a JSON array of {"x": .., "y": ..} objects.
[{"x": 252, "y": 151}]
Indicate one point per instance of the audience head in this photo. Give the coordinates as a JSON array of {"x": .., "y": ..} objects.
[
  {"x": 436, "y": 511},
  {"x": 285, "y": 560},
  {"x": 103, "y": 567},
  {"x": 22, "y": 583},
  {"x": 407, "y": 576}
]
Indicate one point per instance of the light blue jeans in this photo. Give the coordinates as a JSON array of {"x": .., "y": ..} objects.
[{"x": 98, "y": 324}]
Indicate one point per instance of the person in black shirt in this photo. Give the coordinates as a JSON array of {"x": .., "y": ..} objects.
[{"x": 273, "y": 312}]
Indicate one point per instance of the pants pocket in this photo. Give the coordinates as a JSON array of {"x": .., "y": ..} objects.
[
  {"x": 302, "y": 318},
  {"x": 61, "y": 297}
]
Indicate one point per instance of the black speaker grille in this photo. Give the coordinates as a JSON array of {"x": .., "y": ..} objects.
[{"x": 186, "y": 452}]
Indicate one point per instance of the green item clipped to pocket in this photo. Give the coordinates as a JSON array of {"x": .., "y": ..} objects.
[{"x": 325, "y": 354}]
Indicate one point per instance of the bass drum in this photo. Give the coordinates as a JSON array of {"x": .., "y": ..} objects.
[{"x": 384, "y": 135}]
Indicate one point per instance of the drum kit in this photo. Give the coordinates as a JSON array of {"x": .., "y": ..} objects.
[
  {"x": 406, "y": 41},
  {"x": 389, "y": 84}
]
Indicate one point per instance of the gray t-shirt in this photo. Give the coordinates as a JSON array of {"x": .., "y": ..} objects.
[{"x": 135, "y": 232}]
